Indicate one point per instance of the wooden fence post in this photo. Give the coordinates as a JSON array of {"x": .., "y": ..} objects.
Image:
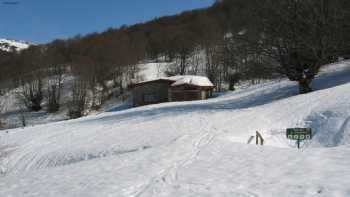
[
  {"x": 257, "y": 137},
  {"x": 250, "y": 139}
]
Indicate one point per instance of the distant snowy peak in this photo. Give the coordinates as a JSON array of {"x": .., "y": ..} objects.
[{"x": 13, "y": 45}]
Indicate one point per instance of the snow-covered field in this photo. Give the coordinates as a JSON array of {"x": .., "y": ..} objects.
[{"x": 192, "y": 148}]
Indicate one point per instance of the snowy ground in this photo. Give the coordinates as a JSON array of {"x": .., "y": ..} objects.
[{"x": 192, "y": 148}]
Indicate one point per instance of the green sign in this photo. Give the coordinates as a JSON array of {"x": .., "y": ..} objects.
[{"x": 299, "y": 133}]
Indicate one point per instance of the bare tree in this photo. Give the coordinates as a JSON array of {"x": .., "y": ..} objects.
[
  {"x": 54, "y": 94},
  {"x": 22, "y": 117},
  {"x": 32, "y": 93},
  {"x": 54, "y": 87},
  {"x": 2, "y": 123},
  {"x": 78, "y": 103},
  {"x": 195, "y": 61},
  {"x": 31, "y": 78},
  {"x": 303, "y": 35},
  {"x": 56, "y": 58}
]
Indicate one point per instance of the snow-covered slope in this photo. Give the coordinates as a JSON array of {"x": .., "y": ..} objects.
[
  {"x": 9, "y": 45},
  {"x": 151, "y": 71},
  {"x": 192, "y": 148}
]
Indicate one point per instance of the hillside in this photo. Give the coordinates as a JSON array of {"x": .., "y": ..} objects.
[
  {"x": 231, "y": 42},
  {"x": 192, "y": 148},
  {"x": 12, "y": 108}
]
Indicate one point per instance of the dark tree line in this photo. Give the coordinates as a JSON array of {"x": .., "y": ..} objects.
[{"x": 231, "y": 41}]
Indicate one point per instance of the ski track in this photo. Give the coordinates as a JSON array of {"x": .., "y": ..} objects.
[
  {"x": 340, "y": 135},
  {"x": 169, "y": 176}
]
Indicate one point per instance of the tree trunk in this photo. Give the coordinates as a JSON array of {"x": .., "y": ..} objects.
[
  {"x": 121, "y": 88},
  {"x": 232, "y": 86},
  {"x": 304, "y": 86}
]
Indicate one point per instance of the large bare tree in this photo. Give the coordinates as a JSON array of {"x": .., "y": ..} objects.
[{"x": 303, "y": 35}]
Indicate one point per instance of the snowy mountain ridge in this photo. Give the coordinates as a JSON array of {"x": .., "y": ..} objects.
[{"x": 13, "y": 45}]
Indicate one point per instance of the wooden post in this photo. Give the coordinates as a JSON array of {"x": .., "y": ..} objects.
[
  {"x": 250, "y": 139},
  {"x": 298, "y": 142},
  {"x": 259, "y": 136}
]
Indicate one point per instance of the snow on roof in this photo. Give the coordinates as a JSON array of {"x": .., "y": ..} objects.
[
  {"x": 182, "y": 80},
  {"x": 190, "y": 80}
]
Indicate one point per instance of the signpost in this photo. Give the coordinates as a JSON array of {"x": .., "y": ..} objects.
[{"x": 299, "y": 134}]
